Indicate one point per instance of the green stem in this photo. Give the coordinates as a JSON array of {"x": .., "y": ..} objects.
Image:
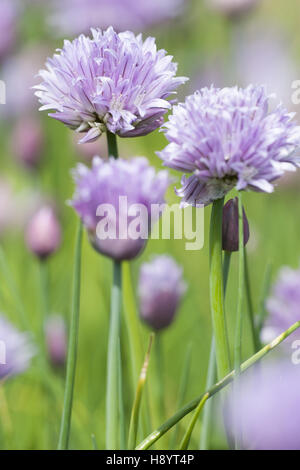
[
  {"x": 239, "y": 317},
  {"x": 121, "y": 402},
  {"x": 216, "y": 290},
  {"x": 112, "y": 145},
  {"x": 182, "y": 390},
  {"x": 44, "y": 298},
  {"x": 112, "y": 385},
  {"x": 159, "y": 368},
  {"x": 212, "y": 370},
  {"x": 165, "y": 427},
  {"x": 186, "y": 439},
  {"x": 254, "y": 331},
  {"x": 134, "y": 420},
  {"x": 72, "y": 348}
]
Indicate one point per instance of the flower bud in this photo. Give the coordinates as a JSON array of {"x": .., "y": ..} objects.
[
  {"x": 56, "y": 339},
  {"x": 160, "y": 290},
  {"x": 27, "y": 142},
  {"x": 230, "y": 226},
  {"x": 43, "y": 234}
]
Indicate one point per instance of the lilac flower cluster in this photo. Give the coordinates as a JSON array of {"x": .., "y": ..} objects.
[
  {"x": 227, "y": 138},
  {"x": 18, "y": 349},
  {"x": 78, "y": 16},
  {"x": 110, "y": 82},
  {"x": 160, "y": 289},
  {"x": 105, "y": 183},
  {"x": 283, "y": 305}
]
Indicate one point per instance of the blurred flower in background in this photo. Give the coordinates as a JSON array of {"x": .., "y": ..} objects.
[
  {"x": 252, "y": 46},
  {"x": 73, "y": 17},
  {"x": 232, "y": 8},
  {"x": 283, "y": 305},
  {"x": 19, "y": 349},
  {"x": 27, "y": 142},
  {"x": 227, "y": 138},
  {"x": 265, "y": 408},
  {"x": 19, "y": 72},
  {"x": 8, "y": 26},
  {"x": 113, "y": 82},
  {"x": 160, "y": 290},
  {"x": 56, "y": 339},
  {"x": 43, "y": 233},
  {"x": 105, "y": 183}
]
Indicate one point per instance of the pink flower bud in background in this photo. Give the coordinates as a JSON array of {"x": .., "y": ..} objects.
[
  {"x": 160, "y": 290},
  {"x": 27, "y": 142},
  {"x": 43, "y": 234},
  {"x": 230, "y": 226},
  {"x": 56, "y": 339}
]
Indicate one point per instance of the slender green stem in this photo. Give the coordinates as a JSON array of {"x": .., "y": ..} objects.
[
  {"x": 186, "y": 439},
  {"x": 72, "y": 348},
  {"x": 112, "y": 145},
  {"x": 239, "y": 317},
  {"x": 165, "y": 427},
  {"x": 182, "y": 390},
  {"x": 254, "y": 331},
  {"x": 265, "y": 290},
  {"x": 216, "y": 290},
  {"x": 43, "y": 265},
  {"x": 134, "y": 420},
  {"x": 112, "y": 385},
  {"x": 159, "y": 368},
  {"x": 121, "y": 403},
  {"x": 212, "y": 369}
]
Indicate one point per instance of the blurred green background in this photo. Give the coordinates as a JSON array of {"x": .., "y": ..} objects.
[{"x": 262, "y": 46}]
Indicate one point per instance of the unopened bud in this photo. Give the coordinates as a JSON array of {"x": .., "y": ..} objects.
[
  {"x": 230, "y": 226},
  {"x": 43, "y": 235}
]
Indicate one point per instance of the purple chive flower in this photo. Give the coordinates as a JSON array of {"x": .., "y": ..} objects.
[
  {"x": 265, "y": 408},
  {"x": 16, "y": 350},
  {"x": 43, "y": 234},
  {"x": 160, "y": 290},
  {"x": 113, "y": 82},
  {"x": 8, "y": 26},
  {"x": 115, "y": 186},
  {"x": 232, "y": 8},
  {"x": 227, "y": 138},
  {"x": 230, "y": 226},
  {"x": 283, "y": 305},
  {"x": 56, "y": 339},
  {"x": 27, "y": 142},
  {"x": 77, "y": 16}
]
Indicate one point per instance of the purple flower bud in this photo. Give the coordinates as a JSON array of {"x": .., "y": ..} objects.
[
  {"x": 107, "y": 196},
  {"x": 56, "y": 339},
  {"x": 16, "y": 350},
  {"x": 27, "y": 142},
  {"x": 160, "y": 290},
  {"x": 230, "y": 226},
  {"x": 265, "y": 408},
  {"x": 43, "y": 234}
]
